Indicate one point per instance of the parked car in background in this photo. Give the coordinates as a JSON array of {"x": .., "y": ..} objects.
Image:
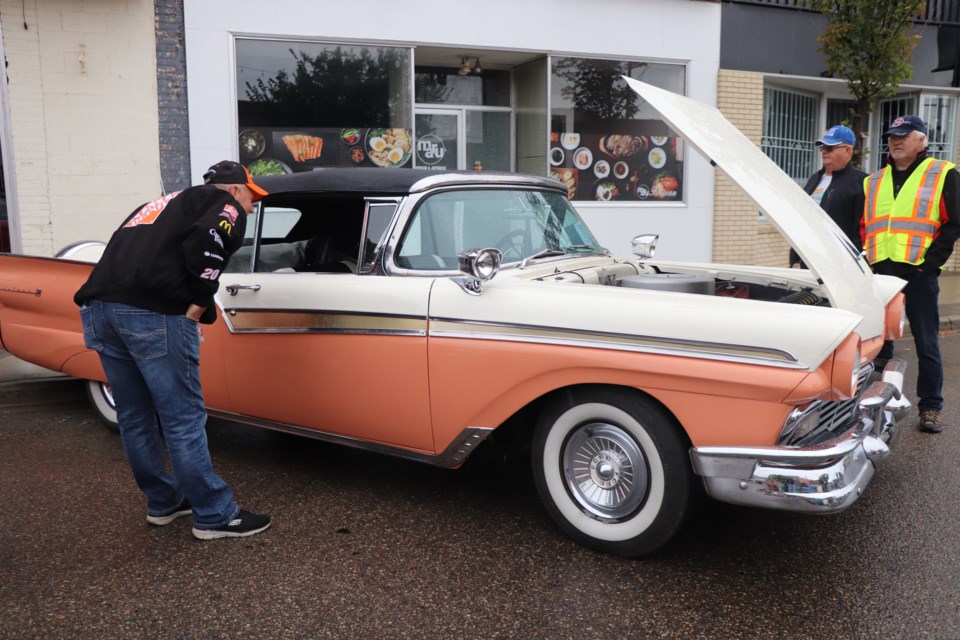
[{"x": 426, "y": 314}]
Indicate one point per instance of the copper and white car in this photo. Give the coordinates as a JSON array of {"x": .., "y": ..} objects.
[{"x": 426, "y": 314}]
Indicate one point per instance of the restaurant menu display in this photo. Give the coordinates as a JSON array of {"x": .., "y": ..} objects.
[
  {"x": 617, "y": 167},
  {"x": 269, "y": 151}
]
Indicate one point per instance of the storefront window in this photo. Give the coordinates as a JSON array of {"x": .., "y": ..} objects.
[
  {"x": 606, "y": 144},
  {"x": 303, "y": 105},
  {"x": 443, "y": 85}
]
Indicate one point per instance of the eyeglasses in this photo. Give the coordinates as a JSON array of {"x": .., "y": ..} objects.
[{"x": 828, "y": 149}]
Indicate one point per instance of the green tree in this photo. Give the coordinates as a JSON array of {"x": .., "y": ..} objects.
[
  {"x": 868, "y": 42},
  {"x": 595, "y": 87},
  {"x": 338, "y": 87}
]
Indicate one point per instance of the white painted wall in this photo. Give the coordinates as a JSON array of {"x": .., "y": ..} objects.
[
  {"x": 684, "y": 31},
  {"x": 81, "y": 121}
]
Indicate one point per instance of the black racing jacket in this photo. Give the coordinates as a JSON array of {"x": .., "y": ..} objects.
[
  {"x": 843, "y": 200},
  {"x": 169, "y": 253}
]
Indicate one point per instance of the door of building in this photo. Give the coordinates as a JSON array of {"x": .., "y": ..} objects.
[
  {"x": 437, "y": 133},
  {"x": 463, "y": 138}
]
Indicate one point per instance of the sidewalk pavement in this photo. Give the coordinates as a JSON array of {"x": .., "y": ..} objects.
[{"x": 15, "y": 371}]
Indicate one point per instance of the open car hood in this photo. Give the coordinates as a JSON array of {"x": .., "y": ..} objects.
[{"x": 843, "y": 272}]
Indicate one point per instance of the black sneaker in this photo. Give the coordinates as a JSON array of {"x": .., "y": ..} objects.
[
  {"x": 244, "y": 524},
  {"x": 182, "y": 510},
  {"x": 930, "y": 421}
]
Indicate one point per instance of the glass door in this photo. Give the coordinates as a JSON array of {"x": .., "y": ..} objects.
[
  {"x": 488, "y": 140},
  {"x": 438, "y": 133},
  {"x": 463, "y": 138}
]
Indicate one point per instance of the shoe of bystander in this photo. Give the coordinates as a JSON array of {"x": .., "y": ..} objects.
[
  {"x": 244, "y": 524},
  {"x": 930, "y": 421}
]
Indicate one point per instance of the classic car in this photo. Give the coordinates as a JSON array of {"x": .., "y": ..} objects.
[{"x": 426, "y": 314}]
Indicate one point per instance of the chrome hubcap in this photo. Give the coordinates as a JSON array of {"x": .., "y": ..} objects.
[
  {"x": 108, "y": 394},
  {"x": 605, "y": 471}
]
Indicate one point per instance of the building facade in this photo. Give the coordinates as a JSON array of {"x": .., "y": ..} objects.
[
  {"x": 78, "y": 119},
  {"x": 774, "y": 84},
  {"x": 139, "y": 98},
  {"x": 108, "y": 104}
]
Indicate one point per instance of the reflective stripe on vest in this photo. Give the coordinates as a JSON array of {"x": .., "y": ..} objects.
[{"x": 902, "y": 228}]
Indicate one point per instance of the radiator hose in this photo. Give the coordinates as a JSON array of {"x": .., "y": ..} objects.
[{"x": 802, "y": 297}]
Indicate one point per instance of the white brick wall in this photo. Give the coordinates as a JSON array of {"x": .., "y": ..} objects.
[{"x": 82, "y": 116}]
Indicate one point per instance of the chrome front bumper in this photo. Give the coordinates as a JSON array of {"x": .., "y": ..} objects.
[{"x": 820, "y": 478}]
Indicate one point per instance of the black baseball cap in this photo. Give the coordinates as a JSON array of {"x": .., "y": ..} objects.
[
  {"x": 230, "y": 172},
  {"x": 905, "y": 124}
]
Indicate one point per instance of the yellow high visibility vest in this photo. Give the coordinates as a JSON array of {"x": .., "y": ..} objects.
[{"x": 902, "y": 228}]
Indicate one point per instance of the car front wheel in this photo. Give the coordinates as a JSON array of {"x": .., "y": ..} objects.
[
  {"x": 613, "y": 471},
  {"x": 101, "y": 399}
]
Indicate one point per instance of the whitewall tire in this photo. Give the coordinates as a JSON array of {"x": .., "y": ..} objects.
[
  {"x": 613, "y": 470},
  {"x": 101, "y": 399}
]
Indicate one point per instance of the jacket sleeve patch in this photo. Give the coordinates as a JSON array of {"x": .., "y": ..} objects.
[{"x": 230, "y": 213}]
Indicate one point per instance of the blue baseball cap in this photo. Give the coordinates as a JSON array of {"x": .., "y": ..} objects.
[
  {"x": 905, "y": 124},
  {"x": 838, "y": 135}
]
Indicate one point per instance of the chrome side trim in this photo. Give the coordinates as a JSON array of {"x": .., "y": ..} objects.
[
  {"x": 450, "y": 458},
  {"x": 321, "y": 321},
  {"x": 486, "y": 179},
  {"x": 275, "y": 321},
  {"x": 478, "y": 330}
]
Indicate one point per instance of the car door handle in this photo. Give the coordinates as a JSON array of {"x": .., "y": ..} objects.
[{"x": 233, "y": 288}]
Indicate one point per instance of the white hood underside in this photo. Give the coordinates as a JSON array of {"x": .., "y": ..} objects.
[{"x": 844, "y": 273}]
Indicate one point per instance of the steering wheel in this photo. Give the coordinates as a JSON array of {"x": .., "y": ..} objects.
[
  {"x": 313, "y": 253},
  {"x": 513, "y": 242}
]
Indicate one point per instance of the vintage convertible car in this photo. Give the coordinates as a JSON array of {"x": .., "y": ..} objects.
[{"x": 423, "y": 314}]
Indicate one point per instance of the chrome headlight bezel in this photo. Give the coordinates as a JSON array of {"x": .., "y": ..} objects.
[{"x": 801, "y": 422}]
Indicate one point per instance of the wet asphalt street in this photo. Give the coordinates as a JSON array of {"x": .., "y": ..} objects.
[{"x": 366, "y": 546}]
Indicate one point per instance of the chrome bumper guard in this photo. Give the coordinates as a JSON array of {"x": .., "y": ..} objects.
[{"x": 819, "y": 478}]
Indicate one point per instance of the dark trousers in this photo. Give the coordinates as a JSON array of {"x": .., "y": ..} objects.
[{"x": 922, "y": 295}]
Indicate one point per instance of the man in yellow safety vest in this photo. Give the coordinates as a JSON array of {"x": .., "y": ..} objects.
[{"x": 911, "y": 219}]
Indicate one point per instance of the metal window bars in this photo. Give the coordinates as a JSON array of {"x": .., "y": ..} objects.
[{"x": 790, "y": 125}]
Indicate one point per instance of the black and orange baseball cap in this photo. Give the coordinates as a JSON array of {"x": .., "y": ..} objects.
[{"x": 230, "y": 172}]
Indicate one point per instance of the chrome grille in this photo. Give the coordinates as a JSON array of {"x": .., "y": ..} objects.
[{"x": 835, "y": 417}]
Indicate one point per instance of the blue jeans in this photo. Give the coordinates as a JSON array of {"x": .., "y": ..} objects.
[
  {"x": 922, "y": 295},
  {"x": 152, "y": 362}
]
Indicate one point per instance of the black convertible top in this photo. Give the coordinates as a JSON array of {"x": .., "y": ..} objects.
[{"x": 383, "y": 181}]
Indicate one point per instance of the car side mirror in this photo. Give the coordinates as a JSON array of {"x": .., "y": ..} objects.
[
  {"x": 478, "y": 266},
  {"x": 645, "y": 245}
]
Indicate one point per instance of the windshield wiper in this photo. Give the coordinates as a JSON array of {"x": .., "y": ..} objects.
[
  {"x": 543, "y": 253},
  {"x": 584, "y": 248}
]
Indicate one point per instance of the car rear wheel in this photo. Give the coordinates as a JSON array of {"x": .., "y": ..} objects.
[
  {"x": 101, "y": 399},
  {"x": 613, "y": 471}
]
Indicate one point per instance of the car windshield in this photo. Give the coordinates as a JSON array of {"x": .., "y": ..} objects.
[{"x": 522, "y": 224}]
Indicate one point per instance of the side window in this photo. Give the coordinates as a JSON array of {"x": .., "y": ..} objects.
[
  {"x": 273, "y": 226},
  {"x": 430, "y": 242}
]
